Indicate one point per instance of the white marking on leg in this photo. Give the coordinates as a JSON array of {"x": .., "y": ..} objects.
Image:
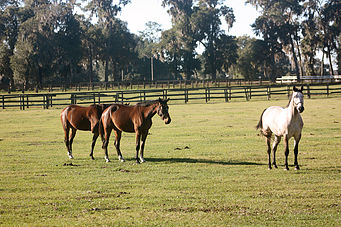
[{"x": 121, "y": 158}]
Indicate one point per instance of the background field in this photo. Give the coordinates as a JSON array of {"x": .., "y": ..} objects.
[{"x": 207, "y": 168}]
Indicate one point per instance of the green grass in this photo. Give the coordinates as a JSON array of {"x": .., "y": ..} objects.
[{"x": 207, "y": 168}]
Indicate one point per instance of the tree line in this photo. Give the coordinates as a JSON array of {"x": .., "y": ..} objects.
[{"x": 60, "y": 41}]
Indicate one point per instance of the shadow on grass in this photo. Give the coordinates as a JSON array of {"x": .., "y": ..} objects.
[{"x": 205, "y": 161}]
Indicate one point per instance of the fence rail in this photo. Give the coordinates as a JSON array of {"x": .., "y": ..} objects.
[{"x": 206, "y": 94}]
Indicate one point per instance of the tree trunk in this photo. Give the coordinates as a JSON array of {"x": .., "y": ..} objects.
[
  {"x": 322, "y": 63},
  {"x": 295, "y": 59},
  {"x": 106, "y": 70},
  {"x": 331, "y": 70},
  {"x": 90, "y": 66}
]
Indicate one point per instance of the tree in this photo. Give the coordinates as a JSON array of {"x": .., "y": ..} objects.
[
  {"x": 106, "y": 11},
  {"x": 147, "y": 47},
  {"x": 330, "y": 25},
  {"x": 183, "y": 34},
  {"x": 283, "y": 18},
  {"x": 220, "y": 49}
]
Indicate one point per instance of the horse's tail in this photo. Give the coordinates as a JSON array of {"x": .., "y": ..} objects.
[
  {"x": 260, "y": 123},
  {"x": 106, "y": 114},
  {"x": 101, "y": 129},
  {"x": 63, "y": 117}
]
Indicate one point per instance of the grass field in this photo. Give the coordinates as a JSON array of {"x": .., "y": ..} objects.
[{"x": 207, "y": 168}]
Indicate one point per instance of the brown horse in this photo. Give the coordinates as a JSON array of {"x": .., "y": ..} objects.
[
  {"x": 137, "y": 118},
  {"x": 82, "y": 118}
]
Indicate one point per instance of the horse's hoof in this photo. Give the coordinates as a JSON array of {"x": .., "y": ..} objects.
[
  {"x": 286, "y": 168},
  {"x": 121, "y": 159},
  {"x": 297, "y": 168},
  {"x": 70, "y": 157},
  {"x": 92, "y": 157},
  {"x": 269, "y": 168},
  {"x": 142, "y": 160},
  {"x": 275, "y": 166},
  {"x": 107, "y": 160}
]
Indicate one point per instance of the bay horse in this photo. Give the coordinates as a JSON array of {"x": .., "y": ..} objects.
[
  {"x": 133, "y": 119},
  {"x": 286, "y": 122},
  {"x": 76, "y": 117}
]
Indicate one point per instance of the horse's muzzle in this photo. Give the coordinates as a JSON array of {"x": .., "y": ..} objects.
[
  {"x": 301, "y": 109},
  {"x": 167, "y": 120}
]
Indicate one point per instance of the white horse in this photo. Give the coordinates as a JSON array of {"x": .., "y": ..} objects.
[{"x": 286, "y": 122}]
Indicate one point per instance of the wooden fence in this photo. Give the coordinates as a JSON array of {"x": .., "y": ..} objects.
[
  {"x": 125, "y": 85},
  {"x": 177, "y": 95}
]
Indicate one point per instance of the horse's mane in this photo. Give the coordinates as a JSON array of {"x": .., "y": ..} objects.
[
  {"x": 147, "y": 103},
  {"x": 290, "y": 97}
]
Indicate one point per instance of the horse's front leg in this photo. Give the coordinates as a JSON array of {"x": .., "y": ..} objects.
[
  {"x": 286, "y": 150},
  {"x": 144, "y": 137},
  {"x": 138, "y": 137},
  {"x": 297, "y": 140}
]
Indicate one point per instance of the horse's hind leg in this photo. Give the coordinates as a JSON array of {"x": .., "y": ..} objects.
[
  {"x": 66, "y": 139},
  {"x": 286, "y": 147},
  {"x": 118, "y": 135},
  {"x": 268, "y": 143},
  {"x": 72, "y": 136},
  {"x": 297, "y": 140},
  {"x": 107, "y": 132},
  {"x": 94, "y": 138},
  {"x": 274, "y": 149}
]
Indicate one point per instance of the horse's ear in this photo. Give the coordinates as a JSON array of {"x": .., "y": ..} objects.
[
  {"x": 167, "y": 100},
  {"x": 160, "y": 100},
  {"x": 302, "y": 88},
  {"x": 295, "y": 89}
]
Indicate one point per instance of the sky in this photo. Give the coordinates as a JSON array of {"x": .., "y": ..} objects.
[{"x": 139, "y": 12}]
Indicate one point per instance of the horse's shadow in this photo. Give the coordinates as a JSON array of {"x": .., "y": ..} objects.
[{"x": 204, "y": 161}]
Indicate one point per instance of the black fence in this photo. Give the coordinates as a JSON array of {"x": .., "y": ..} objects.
[{"x": 177, "y": 95}]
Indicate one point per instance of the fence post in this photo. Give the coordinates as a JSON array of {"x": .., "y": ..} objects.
[
  {"x": 185, "y": 96},
  {"x": 206, "y": 95},
  {"x": 99, "y": 97},
  {"x": 230, "y": 93},
  {"x": 308, "y": 89},
  {"x": 226, "y": 95},
  {"x": 268, "y": 92},
  {"x": 246, "y": 94},
  {"x": 27, "y": 101},
  {"x": 3, "y": 102},
  {"x": 250, "y": 92},
  {"x": 327, "y": 90},
  {"x": 47, "y": 101}
]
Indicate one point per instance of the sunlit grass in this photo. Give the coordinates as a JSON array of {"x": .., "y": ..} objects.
[{"x": 207, "y": 168}]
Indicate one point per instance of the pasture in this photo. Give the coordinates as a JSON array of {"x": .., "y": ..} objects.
[{"x": 207, "y": 168}]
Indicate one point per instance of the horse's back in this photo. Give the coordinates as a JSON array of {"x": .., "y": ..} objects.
[
  {"x": 272, "y": 120},
  {"x": 80, "y": 117}
]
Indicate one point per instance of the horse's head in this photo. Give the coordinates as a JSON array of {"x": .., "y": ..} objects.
[
  {"x": 297, "y": 97},
  {"x": 162, "y": 111}
]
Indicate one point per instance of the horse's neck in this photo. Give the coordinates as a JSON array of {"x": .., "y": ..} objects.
[
  {"x": 150, "y": 111},
  {"x": 292, "y": 112}
]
